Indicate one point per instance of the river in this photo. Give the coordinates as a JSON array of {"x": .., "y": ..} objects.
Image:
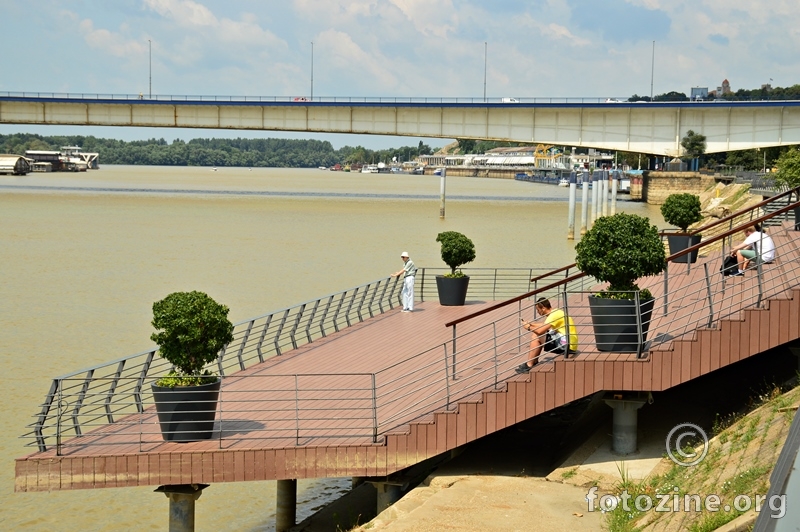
[{"x": 84, "y": 256}]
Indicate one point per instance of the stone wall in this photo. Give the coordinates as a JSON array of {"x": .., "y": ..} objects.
[{"x": 658, "y": 185}]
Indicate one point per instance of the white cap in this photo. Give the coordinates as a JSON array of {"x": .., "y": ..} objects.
[{"x": 404, "y": 254}]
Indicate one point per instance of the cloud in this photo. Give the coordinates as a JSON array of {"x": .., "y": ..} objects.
[
  {"x": 184, "y": 12},
  {"x": 114, "y": 44}
]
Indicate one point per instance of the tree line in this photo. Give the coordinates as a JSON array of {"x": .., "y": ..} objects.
[{"x": 282, "y": 153}]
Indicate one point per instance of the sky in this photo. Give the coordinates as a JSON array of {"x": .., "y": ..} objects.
[{"x": 389, "y": 48}]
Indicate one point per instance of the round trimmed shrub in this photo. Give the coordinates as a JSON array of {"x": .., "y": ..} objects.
[
  {"x": 681, "y": 210},
  {"x": 457, "y": 250},
  {"x": 620, "y": 249},
  {"x": 191, "y": 329}
]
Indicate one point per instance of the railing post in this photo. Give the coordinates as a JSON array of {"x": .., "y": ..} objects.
[
  {"x": 760, "y": 259},
  {"x": 296, "y": 411},
  {"x": 263, "y": 335},
  {"x": 137, "y": 390},
  {"x": 244, "y": 341},
  {"x": 276, "y": 341},
  {"x": 454, "y": 352},
  {"x": 111, "y": 389},
  {"x": 638, "y": 313},
  {"x": 299, "y": 317},
  {"x": 446, "y": 379},
  {"x": 710, "y": 298},
  {"x": 383, "y": 295},
  {"x": 38, "y": 428},
  {"x": 374, "y": 411},
  {"x": 58, "y": 416},
  {"x": 666, "y": 287},
  {"x": 494, "y": 337},
  {"x": 422, "y": 288},
  {"x": 311, "y": 320},
  {"x": 494, "y": 285},
  {"x": 566, "y": 325}
]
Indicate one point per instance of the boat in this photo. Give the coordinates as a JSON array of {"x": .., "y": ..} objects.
[
  {"x": 563, "y": 182},
  {"x": 69, "y": 159},
  {"x": 322, "y": 167},
  {"x": 369, "y": 169}
]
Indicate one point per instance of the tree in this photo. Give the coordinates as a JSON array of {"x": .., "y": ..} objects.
[
  {"x": 672, "y": 96},
  {"x": 466, "y": 146},
  {"x": 694, "y": 144},
  {"x": 788, "y": 174}
]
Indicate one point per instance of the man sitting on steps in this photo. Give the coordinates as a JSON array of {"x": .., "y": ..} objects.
[{"x": 552, "y": 330}]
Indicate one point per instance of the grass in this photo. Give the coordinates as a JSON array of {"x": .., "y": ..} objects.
[
  {"x": 740, "y": 459},
  {"x": 570, "y": 473}
]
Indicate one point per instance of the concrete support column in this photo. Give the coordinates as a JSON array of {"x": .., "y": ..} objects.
[
  {"x": 388, "y": 494},
  {"x": 286, "y": 511},
  {"x": 181, "y": 505},
  {"x": 624, "y": 425}
]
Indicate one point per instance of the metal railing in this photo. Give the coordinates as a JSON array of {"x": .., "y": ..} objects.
[
  {"x": 305, "y": 99},
  {"x": 83, "y": 407},
  {"x": 120, "y": 388}
]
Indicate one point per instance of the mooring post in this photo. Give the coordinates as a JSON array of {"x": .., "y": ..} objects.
[
  {"x": 595, "y": 194},
  {"x": 614, "y": 186},
  {"x": 441, "y": 192},
  {"x": 604, "y": 192},
  {"x": 573, "y": 180},
  {"x": 584, "y": 201},
  {"x": 286, "y": 510},
  {"x": 182, "y": 499}
]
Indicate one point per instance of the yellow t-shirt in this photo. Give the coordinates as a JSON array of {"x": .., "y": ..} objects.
[{"x": 556, "y": 320}]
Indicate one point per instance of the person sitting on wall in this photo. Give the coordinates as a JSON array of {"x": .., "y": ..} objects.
[
  {"x": 757, "y": 245},
  {"x": 550, "y": 335}
]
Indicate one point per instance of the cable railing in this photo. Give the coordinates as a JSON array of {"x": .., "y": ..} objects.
[{"x": 120, "y": 388}]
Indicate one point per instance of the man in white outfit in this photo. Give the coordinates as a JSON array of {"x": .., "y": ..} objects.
[{"x": 409, "y": 271}]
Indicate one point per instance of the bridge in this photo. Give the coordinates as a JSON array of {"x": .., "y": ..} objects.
[
  {"x": 346, "y": 385},
  {"x": 653, "y": 128}
]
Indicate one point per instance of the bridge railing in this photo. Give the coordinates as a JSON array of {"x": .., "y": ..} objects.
[{"x": 306, "y": 99}]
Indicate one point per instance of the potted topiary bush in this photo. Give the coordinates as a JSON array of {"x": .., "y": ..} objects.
[
  {"x": 457, "y": 250},
  {"x": 191, "y": 329},
  {"x": 682, "y": 210},
  {"x": 618, "y": 250}
]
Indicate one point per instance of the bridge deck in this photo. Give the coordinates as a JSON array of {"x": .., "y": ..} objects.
[{"x": 256, "y": 442}]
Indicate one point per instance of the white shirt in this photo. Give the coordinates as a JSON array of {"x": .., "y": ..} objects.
[{"x": 757, "y": 239}]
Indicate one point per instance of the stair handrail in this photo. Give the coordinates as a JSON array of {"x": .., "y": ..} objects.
[{"x": 670, "y": 258}]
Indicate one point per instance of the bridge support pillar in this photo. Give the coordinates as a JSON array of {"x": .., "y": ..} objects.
[
  {"x": 286, "y": 511},
  {"x": 388, "y": 494},
  {"x": 625, "y": 424},
  {"x": 182, "y": 499},
  {"x": 796, "y": 352}
]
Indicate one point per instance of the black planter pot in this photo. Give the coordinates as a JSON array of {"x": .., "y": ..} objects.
[
  {"x": 187, "y": 413},
  {"x": 614, "y": 322},
  {"x": 452, "y": 290},
  {"x": 679, "y": 243}
]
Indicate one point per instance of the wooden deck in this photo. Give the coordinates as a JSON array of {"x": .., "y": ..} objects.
[{"x": 257, "y": 434}]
